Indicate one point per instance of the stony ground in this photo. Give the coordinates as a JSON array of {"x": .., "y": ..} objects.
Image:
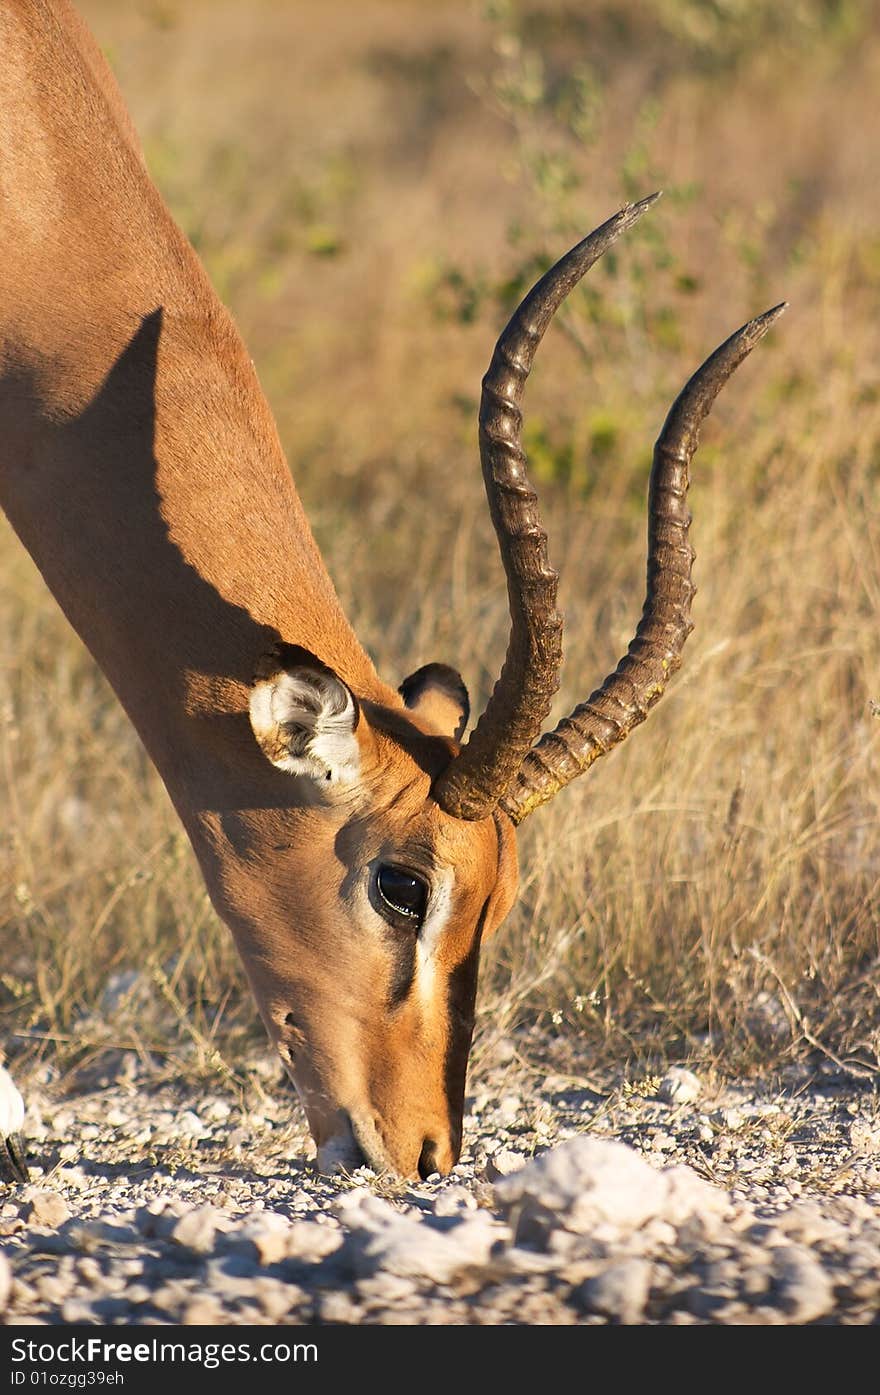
[{"x": 666, "y": 1200}]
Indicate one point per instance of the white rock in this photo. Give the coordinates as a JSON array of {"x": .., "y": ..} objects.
[
  {"x": 268, "y": 1237},
  {"x": 310, "y": 1242},
  {"x": 503, "y": 1163},
  {"x": 731, "y": 1118},
  {"x": 680, "y": 1086},
  {"x": 620, "y": 1291},
  {"x": 453, "y": 1201},
  {"x": 594, "y": 1186},
  {"x": 662, "y": 1142},
  {"x": 382, "y": 1237},
  {"x": 864, "y": 1136},
  {"x": 807, "y": 1222},
  {"x": 204, "y": 1312},
  {"x": 508, "y": 1110},
  {"x": 384, "y": 1288},
  {"x": 217, "y": 1111},
  {"x": 197, "y": 1229},
  {"x": 189, "y": 1124},
  {"x": 47, "y": 1208},
  {"x": 268, "y": 1233},
  {"x": 588, "y": 1180},
  {"x": 505, "y": 1050},
  {"x": 804, "y": 1289},
  {"x": 689, "y": 1195}
]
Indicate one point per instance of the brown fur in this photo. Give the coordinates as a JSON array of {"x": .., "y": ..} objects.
[{"x": 142, "y": 469}]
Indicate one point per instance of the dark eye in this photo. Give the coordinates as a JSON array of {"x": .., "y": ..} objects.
[{"x": 402, "y": 892}]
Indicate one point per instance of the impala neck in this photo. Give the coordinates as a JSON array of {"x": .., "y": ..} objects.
[{"x": 139, "y": 461}]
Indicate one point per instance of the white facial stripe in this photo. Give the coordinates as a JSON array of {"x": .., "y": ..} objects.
[
  {"x": 435, "y": 922},
  {"x": 438, "y": 910}
]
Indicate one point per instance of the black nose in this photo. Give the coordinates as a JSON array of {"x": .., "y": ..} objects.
[{"x": 428, "y": 1159}]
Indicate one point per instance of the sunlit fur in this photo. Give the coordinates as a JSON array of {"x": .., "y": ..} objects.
[{"x": 141, "y": 468}]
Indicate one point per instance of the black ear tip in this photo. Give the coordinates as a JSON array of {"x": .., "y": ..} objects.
[
  {"x": 441, "y": 676},
  {"x": 421, "y": 691}
]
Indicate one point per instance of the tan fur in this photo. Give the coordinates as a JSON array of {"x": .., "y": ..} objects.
[{"x": 141, "y": 467}]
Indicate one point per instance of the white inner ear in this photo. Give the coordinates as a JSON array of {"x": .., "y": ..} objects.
[{"x": 304, "y": 720}]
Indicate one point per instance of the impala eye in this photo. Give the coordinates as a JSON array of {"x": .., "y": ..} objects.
[{"x": 402, "y": 892}]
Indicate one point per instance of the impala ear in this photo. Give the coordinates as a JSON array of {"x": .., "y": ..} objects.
[
  {"x": 304, "y": 717},
  {"x": 437, "y": 696}
]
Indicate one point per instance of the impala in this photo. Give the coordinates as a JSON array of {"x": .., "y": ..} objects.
[{"x": 356, "y": 849}]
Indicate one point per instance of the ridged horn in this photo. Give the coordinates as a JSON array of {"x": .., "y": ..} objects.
[
  {"x": 471, "y": 785},
  {"x": 640, "y": 679}
]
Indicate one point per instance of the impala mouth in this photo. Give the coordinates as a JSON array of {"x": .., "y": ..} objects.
[
  {"x": 355, "y": 1145},
  {"x": 340, "y": 1154}
]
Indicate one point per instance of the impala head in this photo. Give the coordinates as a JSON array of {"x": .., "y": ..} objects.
[
  {"x": 385, "y": 899},
  {"x": 361, "y": 934}
]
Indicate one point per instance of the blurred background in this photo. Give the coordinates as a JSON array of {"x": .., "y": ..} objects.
[{"x": 371, "y": 186}]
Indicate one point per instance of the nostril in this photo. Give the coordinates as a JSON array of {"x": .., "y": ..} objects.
[
  {"x": 290, "y": 1020},
  {"x": 428, "y": 1159}
]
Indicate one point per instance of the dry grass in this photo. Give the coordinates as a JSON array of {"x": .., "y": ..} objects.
[{"x": 362, "y": 180}]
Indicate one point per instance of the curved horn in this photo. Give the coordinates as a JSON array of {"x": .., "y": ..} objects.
[
  {"x": 472, "y": 784},
  {"x": 640, "y": 679}
]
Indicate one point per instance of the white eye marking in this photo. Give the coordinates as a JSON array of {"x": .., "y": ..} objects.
[{"x": 436, "y": 920}]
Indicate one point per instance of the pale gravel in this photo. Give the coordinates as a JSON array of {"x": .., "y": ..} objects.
[{"x": 579, "y": 1199}]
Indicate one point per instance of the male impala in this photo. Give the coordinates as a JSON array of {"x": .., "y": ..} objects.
[{"x": 358, "y": 853}]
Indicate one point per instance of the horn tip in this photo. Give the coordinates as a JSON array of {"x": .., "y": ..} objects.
[
  {"x": 632, "y": 212},
  {"x": 758, "y": 327}
]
